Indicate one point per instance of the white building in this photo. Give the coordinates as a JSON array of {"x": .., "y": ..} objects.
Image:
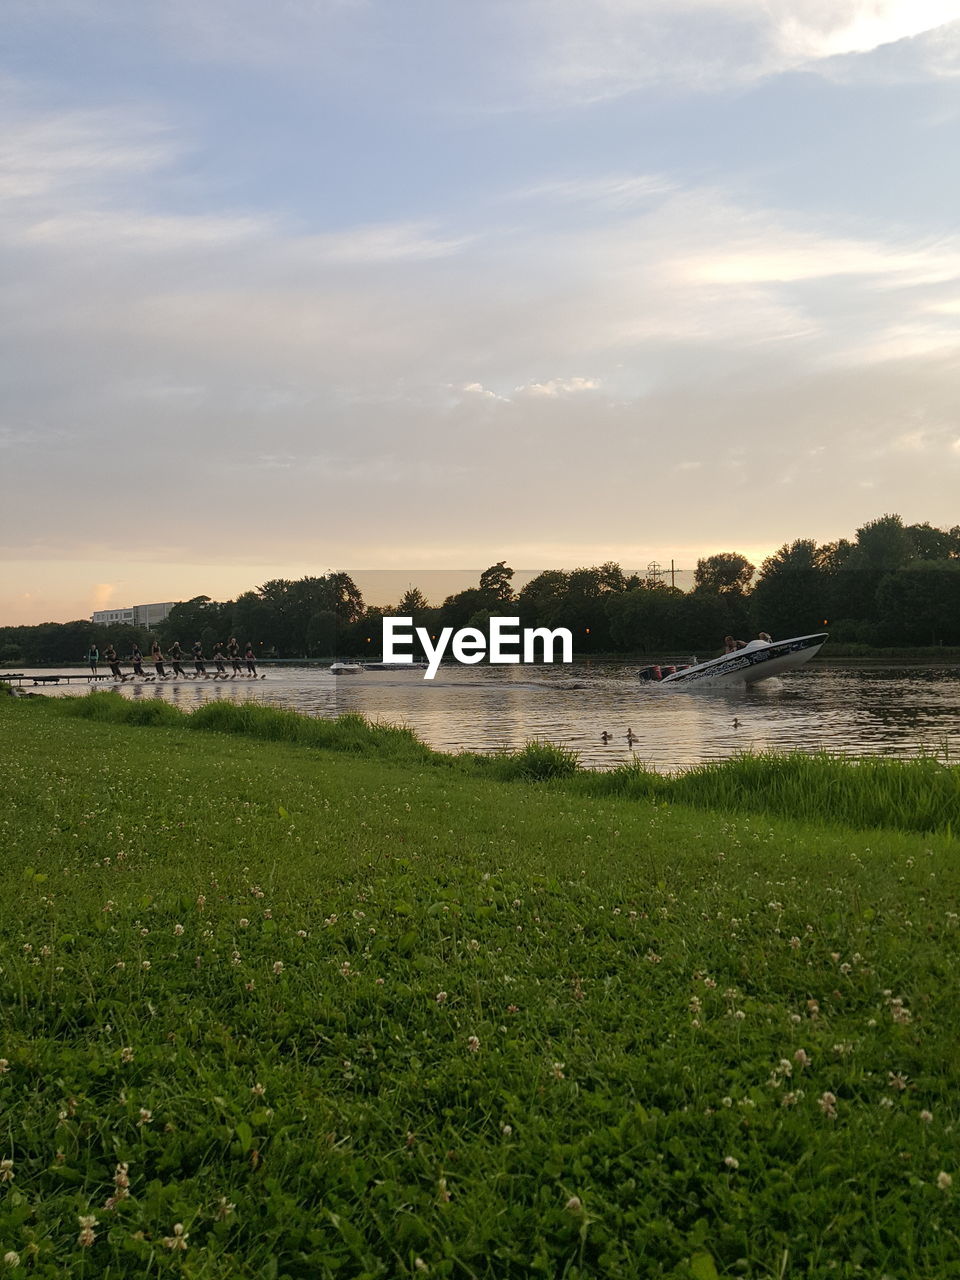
[{"x": 137, "y": 615}]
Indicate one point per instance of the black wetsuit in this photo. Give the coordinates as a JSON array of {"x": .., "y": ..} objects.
[
  {"x": 218, "y": 659},
  {"x": 198, "y": 662},
  {"x": 175, "y": 655},
  {"x": 157, "y": 657},
  {"x": 251, "y": 660},
  {"x": 137, "y": 659},
  {"x": 233, "y": 650}
]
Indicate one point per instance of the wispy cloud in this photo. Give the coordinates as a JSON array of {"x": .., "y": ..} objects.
[{"x": 620, "y": 46}]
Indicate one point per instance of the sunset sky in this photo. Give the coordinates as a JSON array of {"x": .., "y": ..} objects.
[{"x": 362, "y": 284}]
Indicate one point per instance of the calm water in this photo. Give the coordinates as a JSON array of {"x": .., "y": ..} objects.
[{"x": 880, "y": 711}]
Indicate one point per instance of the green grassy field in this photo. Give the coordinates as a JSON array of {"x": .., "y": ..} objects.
[{"x": 277, "y": 1006}]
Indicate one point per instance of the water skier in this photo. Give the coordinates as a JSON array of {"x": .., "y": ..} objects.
[
  {"x": 233, "y": 652},
  {"x": 218, "y": 660},
  {"x": 200, "y": 667},
  {"x": 136, "y": 657},
  {"x": 157, "y": 657},
  {"x": 110, "y": 654},
  {"x": 176, "y": 654}
]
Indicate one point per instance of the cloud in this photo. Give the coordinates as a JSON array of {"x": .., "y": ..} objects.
[
  {"x": 558, "y": 387},
  {"x": 693, "y": 337},
  {"x": 616, "y": 47},
  {"x": 78, "y": 152}
]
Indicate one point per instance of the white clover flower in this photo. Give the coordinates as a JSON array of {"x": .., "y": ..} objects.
[
  {"x": 944, "y": 1181},
  {"x": 6, "y": 1171},
  {"x": 278, "y": 967},
  {"x": 926, "y": 1116},
  {"x": 473, "y": 1044},
  {"x": 731, "y": 1162},
  {"x": 574, "y": 1205},
  {"x": 828, "y": 1105},
  {"x": 11, "y": 1259},
  {"x": 178, "y": 930},
  {"x": 179, "y": 1238}
]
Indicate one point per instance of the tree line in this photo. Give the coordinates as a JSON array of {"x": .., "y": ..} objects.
[{"x": 892, "y": 584}]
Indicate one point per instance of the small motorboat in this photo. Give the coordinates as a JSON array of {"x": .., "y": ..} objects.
[
  {"x": 345, "y": 668},
  {"x": 394, "y": 666},
  {"x": 757, "y": 660}
]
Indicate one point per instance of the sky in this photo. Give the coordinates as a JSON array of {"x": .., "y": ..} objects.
[{"x": 362, "y": 285}]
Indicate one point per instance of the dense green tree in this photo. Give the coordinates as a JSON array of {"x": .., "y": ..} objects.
[
  {"x": 496, "y": 582},
  {"x": 790, "y": 594},
  {"x": 882, "y": 545},
  {"x": 539, "y": 602},
  {"x": 726, "y": 573},
  {"x": 920, "y": 605}
]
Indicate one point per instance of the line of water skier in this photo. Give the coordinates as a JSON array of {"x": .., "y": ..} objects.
[{"x": 245, "y": 667}]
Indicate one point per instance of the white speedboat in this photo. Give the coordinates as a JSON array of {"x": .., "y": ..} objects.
[
  {"x": 345, "y": 668},
  {"x": 755, "y": 661}
]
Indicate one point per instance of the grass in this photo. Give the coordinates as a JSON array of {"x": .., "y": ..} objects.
[
  {"x": 339, "y": 1014},
  {"x": 914, "y": 795}
]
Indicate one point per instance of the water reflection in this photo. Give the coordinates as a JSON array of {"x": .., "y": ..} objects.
[{"x": 887, "y": 711}]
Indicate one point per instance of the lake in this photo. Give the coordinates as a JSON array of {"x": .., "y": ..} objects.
[{"x": 847, "y": 711}]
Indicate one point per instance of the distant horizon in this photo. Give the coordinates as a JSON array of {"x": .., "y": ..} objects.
[{"x": 380, "y": 588}]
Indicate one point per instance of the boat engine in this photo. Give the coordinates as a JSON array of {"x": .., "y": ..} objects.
[{"x": 650, "y": 673}]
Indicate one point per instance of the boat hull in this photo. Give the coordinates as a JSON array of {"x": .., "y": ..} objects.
[{"x": 746, "y": 666}]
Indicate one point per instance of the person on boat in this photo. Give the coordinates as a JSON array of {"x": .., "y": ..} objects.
[
  {"x": 250, "y": 660},
  {"x": 136, "y": 657},
  {"x": 233, "y": 653},
  {"x": 110, "y": 654},
  {"x": 199, "y": 666},
  {"x": 176, "y": 656},
  {"x": 762, "y": 641},
  {"x": 731, "y": 646},
  {"x": 93, "y": 657},
  {"x": 218, "y": 661},
  {"x": 157, "y": 658}
]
